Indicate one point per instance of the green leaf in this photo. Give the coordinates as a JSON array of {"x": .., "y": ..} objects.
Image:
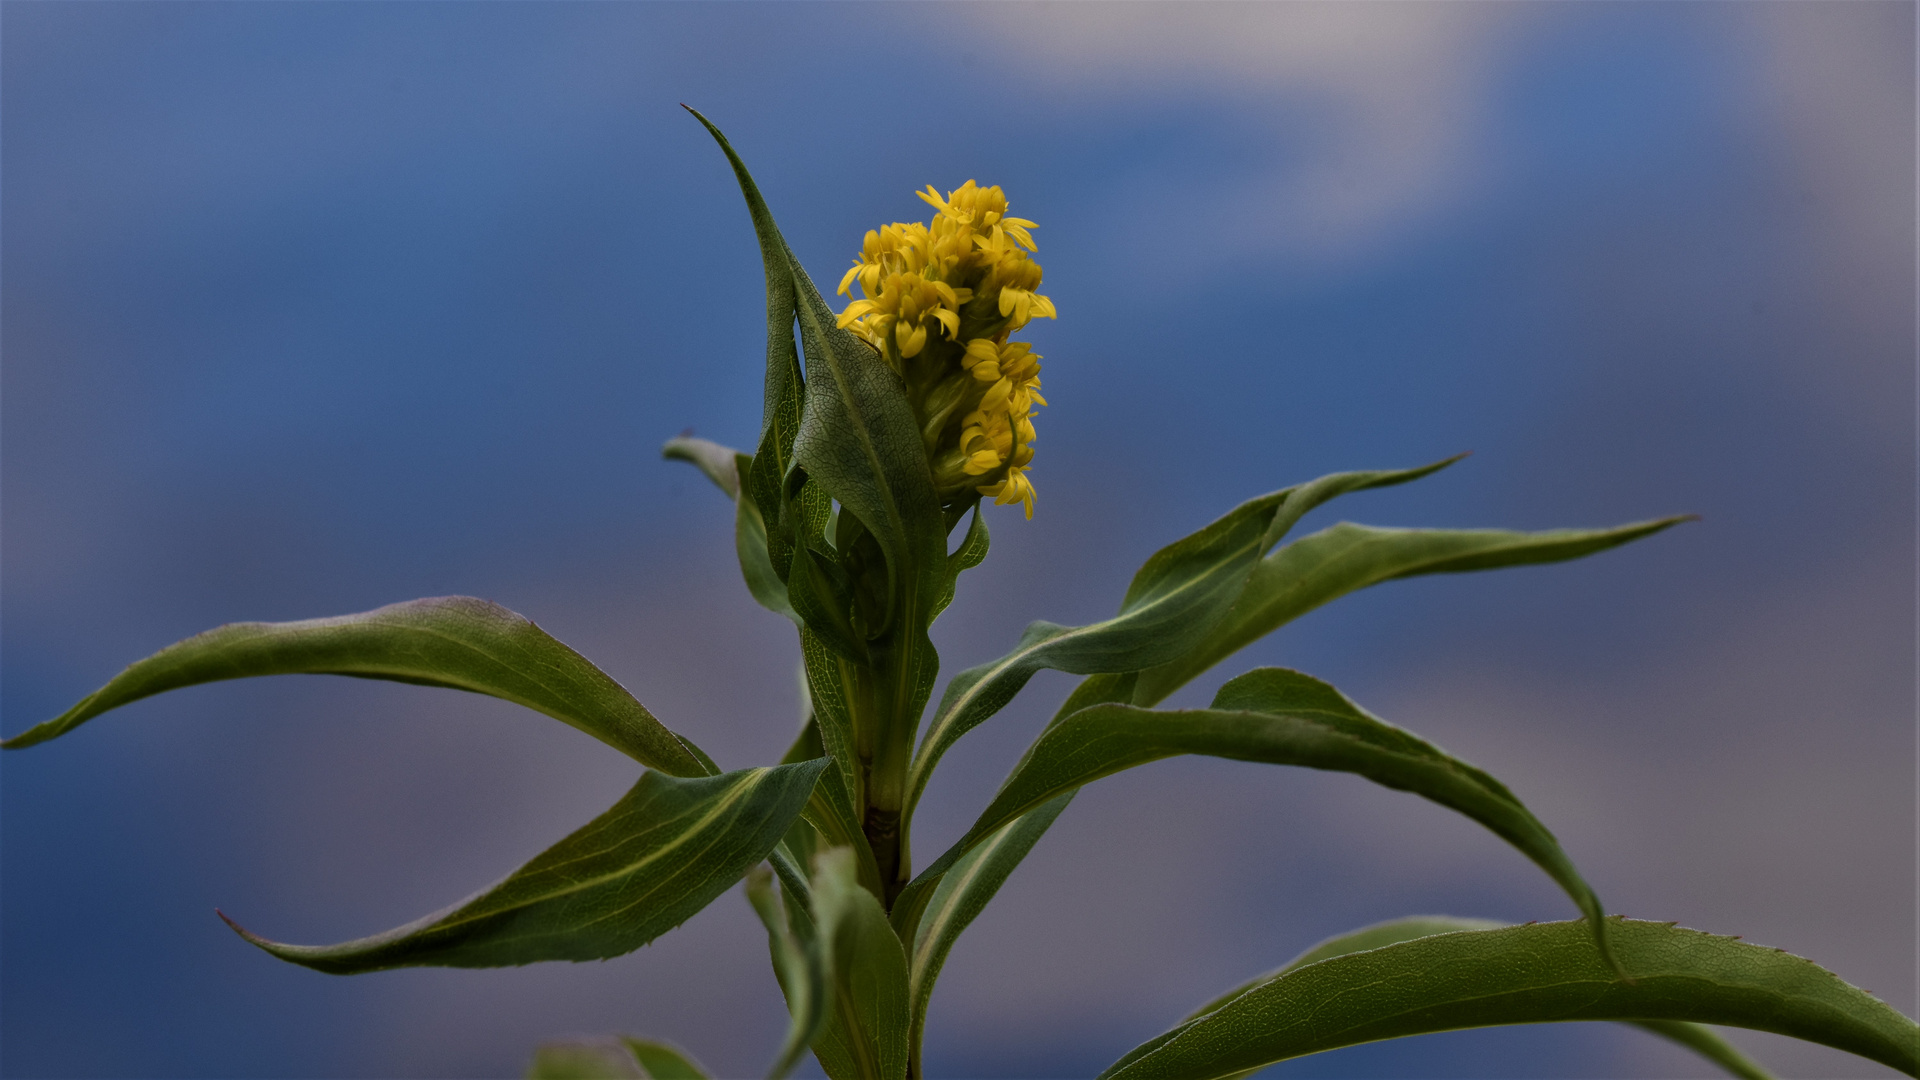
[
  {"x": 629, "y": 1059},
  {"x": 1709, "y": 1044},
  {"x": 960, "y": 897},
  {"x": 803, "y": 837},
  {"x": 797, "y": 966},
  {"x": 1538, "y": 973},
  {"x": 724, "y": 466},
  {"x": 663, "y": 1061},
  {"x": 1278, "y": 717},
  {"x": 456, "y": 642},
  {"x": 662, "y": 853},
  {"x": 1179, "y": 593},
  {"x": 866, "y": 1031},
  {"x": 583, "y": 1061},
  {"x": 1696, "y": 1037},
  {"x": 785, "y": 385},
  {"x": 766, "y": 584},
  {"x": 817, "y": 585},
  {"x": 1391, "y": 932},
  {"x": 827, "y": 676},
  {"x": 1336, "y": 561},
  {"x": 971, "y": 553},
  {"x": 858, "y": 439}
]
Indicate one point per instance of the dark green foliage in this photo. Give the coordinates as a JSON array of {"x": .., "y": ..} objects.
[
  {"x": 662, "y": 853},
  {"x": 1538, "y": 973},
  {"x": 838, "y": 527}
]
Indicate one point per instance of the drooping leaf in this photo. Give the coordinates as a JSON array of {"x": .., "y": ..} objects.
[
  {"x": 1538, "y": 973},
  {"x": 865, "y": 1037},
  {"x": 1697, "y": 1037},
  {"x": 1278, "y": 717},
  {"x": 583, "y": 1061},
  {"x": 662, "y": 853},
  {"x": 456, "y": 642},
  {"x": 1177, "y": 596},
  {"x": 663, "y": 1061},
  {"x": 799, "y": 969},
  {"x": 721, "y": 464},
  {"x": 1336, "y": 561},
  {"x": 725, "y": 466},
  {"x": 766, "y": 584},
  {"x": 958, "y": 899}
]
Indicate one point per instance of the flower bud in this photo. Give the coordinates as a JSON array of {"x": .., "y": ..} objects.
[{"x": 938, "y": 302}]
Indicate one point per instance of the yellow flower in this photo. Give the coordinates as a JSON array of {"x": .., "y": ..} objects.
[
  {"x": 1016, "y": 488},
  {"x": 938, "y": 302}
]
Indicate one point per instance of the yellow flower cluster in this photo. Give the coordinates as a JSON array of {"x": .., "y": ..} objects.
[{"x": 939, "y": 301}]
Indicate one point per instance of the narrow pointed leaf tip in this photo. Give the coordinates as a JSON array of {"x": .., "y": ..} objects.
[
  {"x": 456, "y": 642},
  {"x": 662, "y": 853},
  {"x": 1176, "y": 599},
  {"x": 1539, "y": 973},
  {"x": 719, "y": 463},
  {"x": 1345, "y": 558}
]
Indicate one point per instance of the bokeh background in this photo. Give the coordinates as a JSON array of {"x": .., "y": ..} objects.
[{"x": 315, "y": 307}]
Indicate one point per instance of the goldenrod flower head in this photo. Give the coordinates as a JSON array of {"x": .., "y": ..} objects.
[{"x": 938, "y": 301}]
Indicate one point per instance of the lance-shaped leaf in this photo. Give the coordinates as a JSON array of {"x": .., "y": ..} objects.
[
  {"x": 1539, "y": 973},
  {"x": 456, "y": 642},
  {"x": 583, "y": 1061},
  {"x": 780, "y": 421},
  {"x": 1709, "y": 1044},
  {"x": 1177, "y": 596},
  {"x": 626, "y": 1059},
  {"x": 1310, "y": 572},
  {"x": 858, "y": 439},
  {"x": 865, "y": 1037},
  {"x": 856, "y": 435},
  {"x": 1278, "y": 717},
  {"x": 725, "y": 466},
  {"x": 662, "y": 853},
  {"x": 1697, "y": 1037},
  {"x": 827, "y": 678},
  {"x": 721, "y": 464},
  {"x": 663, "y": 1061},
  {"x": 797, "y": 966},
  {"x": 959, "y": 898},
  {"x": 1336, "y": 561}
]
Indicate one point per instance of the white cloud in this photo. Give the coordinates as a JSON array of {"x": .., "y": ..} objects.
[{"x": 1397, "y": 92}]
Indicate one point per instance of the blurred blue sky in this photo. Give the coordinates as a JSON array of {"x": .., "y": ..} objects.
[{"x": 314, "y": 307}]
